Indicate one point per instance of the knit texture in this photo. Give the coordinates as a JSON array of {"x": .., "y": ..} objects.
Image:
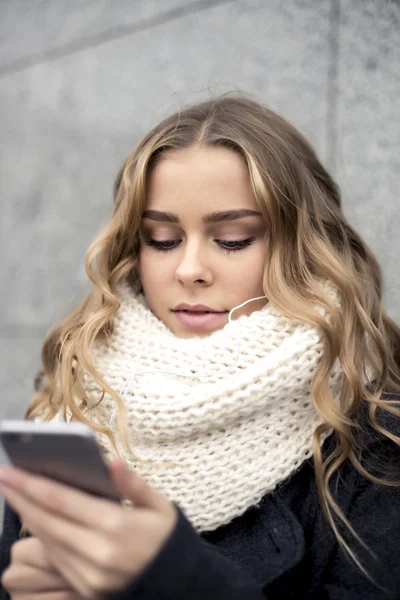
[{"x": 213, "y": 439}]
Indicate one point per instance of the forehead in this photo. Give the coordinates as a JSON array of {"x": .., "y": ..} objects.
[{"x": 199, "y": 180}]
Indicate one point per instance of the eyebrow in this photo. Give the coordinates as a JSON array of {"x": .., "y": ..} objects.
[{"x": 216, "y": 217}]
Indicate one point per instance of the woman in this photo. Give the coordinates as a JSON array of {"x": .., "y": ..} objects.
[{"x": 234, "y": 352}]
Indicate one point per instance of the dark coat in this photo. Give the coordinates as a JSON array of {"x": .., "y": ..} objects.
[{"x": 283, "y": 548}]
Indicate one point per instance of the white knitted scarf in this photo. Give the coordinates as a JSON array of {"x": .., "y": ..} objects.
[{"x": 214, "y": 423}]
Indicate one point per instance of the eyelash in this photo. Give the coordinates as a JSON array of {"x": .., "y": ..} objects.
[{"x": 227, "y": 246}]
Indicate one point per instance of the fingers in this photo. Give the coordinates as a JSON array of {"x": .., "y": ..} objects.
[
  {"x": 52, "y": 528},
  {"x": 20, "y": 578},
  {"x": 55, "y": 497},
  {"x": 31, "y": 551},
  {"x": 131, "y": 486},
  {"x": 32, "y": 575},
  {"x": 96, "y": 576}
]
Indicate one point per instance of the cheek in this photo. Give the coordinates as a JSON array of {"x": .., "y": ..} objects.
[
  {"x": 246, "y": 272},
  {"x": 153, "y": 271},
  {"x": 247, "y": 282}
]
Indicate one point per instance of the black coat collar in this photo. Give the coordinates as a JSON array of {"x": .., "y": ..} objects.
[{"x": 266, "y": 541}]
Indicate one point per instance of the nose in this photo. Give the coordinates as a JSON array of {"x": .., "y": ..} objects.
[{"x": 192, "y": 267}]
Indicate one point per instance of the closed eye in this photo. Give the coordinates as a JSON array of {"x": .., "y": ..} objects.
[
  {"x": 163, "y": 246},
  {"x": 235, "y": 245}
]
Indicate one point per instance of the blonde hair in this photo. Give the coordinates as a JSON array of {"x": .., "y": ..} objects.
[{"x": 308, "y": 239}]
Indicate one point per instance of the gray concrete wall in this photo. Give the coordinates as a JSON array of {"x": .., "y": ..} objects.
[{"x": 81, "y": 80}]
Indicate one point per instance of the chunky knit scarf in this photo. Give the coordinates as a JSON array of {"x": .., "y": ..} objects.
[{"x": 214, "y": 423}]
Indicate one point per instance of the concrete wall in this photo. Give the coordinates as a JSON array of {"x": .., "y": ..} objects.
[{"x": 81, "y": 80}]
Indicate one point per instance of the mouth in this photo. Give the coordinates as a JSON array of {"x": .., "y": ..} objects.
[{"x": 198, "y": 316}]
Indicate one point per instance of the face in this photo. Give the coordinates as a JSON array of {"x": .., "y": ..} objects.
[{"x": 202, "y": 241}]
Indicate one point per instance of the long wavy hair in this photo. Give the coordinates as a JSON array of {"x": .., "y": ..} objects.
[{"x": 309, "y": 239}]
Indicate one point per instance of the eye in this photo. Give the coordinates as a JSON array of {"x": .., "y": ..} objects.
[
  {"x": 162, "y": 246},
  {"x": 234, "y": 245}
]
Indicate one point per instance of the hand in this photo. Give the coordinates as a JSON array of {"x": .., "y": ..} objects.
[
  {"x": 31, "y": 574},
  {"x": 98, "y": 546}
]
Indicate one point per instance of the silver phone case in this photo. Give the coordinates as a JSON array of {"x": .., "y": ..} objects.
[{"x": 66, "y": 452}]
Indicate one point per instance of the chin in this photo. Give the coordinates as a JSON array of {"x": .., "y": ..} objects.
[
  {"x": 189, "y": 333},
  {"x": 194, "y": 333}
]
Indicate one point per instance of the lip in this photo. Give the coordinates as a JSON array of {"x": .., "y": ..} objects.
[
  {"x": 196, "y": 307},
  {"x": 211, "y": 318}
]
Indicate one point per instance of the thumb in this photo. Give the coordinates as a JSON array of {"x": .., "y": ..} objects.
[{"x": 131, "y": 486}]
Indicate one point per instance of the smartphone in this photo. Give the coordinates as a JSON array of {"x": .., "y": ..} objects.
[{"x": 66, "y": 452}]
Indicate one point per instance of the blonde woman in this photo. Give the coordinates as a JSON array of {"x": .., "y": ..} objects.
[{"x": 240, "y": 372}]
